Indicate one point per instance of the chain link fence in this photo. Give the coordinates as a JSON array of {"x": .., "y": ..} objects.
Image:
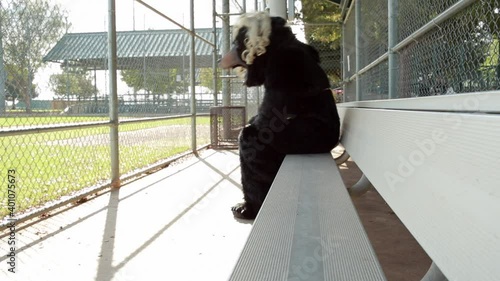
[
  {"x": 440, "y": 48},
  {"x": 55, "y": 99},
  {"x": 325, "y": 37}
]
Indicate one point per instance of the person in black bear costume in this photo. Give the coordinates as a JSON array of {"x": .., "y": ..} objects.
[{"x": 298, "y": 112}]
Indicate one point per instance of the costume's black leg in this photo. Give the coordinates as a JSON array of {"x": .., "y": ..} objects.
[{"x": 259, "y": 165}]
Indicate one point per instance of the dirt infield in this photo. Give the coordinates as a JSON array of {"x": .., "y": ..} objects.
[{"x": 401, "y": 256}]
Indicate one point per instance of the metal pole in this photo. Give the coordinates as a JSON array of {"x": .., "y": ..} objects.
[
  {"x": 277, "y": 8},
  {"x": 215, "y": 53},
  {"x": 192, "y": 79},
  {"x": 372, "y": 64},
  {"x": 393, "y": 56},
  {"x": 245, "y": 88},
  {"x": 257, "y": 89},
  {"x": 29, "y": 98},
  {"x": 3, "y": 75},
  {"x": 226, "y": 42},
  {"x": 95, "y": 87},
  {"x": 29, "y": 92},
  {"x": 113, "y": 96},
  {"x": 133, "y": 15},
  {"x": 344, "y": 64},
  {"x": 291, "y": 10},
  {"x": 357, "y": 19},
  {"x": 67, "y": 80}
]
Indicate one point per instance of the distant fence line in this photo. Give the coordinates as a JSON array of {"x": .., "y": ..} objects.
[{"x": 101, "y": 106}]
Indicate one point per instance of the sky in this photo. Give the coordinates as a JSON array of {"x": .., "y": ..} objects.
[{"x": 91, "y": 15}]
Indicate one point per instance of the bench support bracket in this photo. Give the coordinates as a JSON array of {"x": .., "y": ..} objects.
[
  {"x": 434, "y": 274},
  {"x": 361, "y": 187}
]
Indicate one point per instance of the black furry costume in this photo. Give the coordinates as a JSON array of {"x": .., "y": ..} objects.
[{"x": 297, "y": 115}]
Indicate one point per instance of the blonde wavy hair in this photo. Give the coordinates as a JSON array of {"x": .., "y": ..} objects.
[{"x": 258, "y": 26}]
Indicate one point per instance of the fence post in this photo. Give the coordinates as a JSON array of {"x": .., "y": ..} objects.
[
  {"x": 277, "y": 8},
  {"x": 245, "y": 88},
  {"x": 226, "y": 44},
  {"x": 357, "y": 42},
  {"x": 113, "y": 99},
  {"x": 215, "y": 53},
  {"x": 192, "y": 79},
  {"x": 3, "y": 75},
  {"x": 226, "y": 82},
  {"x": 344, "y": 63},
  {"x": 392, "y": 41}
]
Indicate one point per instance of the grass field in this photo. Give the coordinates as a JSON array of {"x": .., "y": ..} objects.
[{"x": 54, "y": 164}]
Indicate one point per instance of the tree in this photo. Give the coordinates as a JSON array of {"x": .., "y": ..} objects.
[
  {"x": 323, "y": 22},
  {"x": 29, "y": 28},
  {"x": 73, "y": 81},
  {"x": 207, "y": 78},
  {"x": 152, "y": 81},
  {"x": 17, "y": 84},
  {"x": 490, "y": 19}
]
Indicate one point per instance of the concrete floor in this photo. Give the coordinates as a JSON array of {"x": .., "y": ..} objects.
[{"x": 174, "y": 224}]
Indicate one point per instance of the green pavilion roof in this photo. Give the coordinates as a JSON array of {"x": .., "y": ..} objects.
[{"x": 154, "y": 48}]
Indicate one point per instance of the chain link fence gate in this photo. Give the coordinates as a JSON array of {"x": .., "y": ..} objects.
[
  {"x": 55, "y": 100},
  {"x": 437, "y": 48}
]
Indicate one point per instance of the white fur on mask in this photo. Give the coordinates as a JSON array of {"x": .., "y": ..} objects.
[{"x": 258, "y": 26}]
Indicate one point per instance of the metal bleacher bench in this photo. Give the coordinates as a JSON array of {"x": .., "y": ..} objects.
[{"x": 435, "y": 161}]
